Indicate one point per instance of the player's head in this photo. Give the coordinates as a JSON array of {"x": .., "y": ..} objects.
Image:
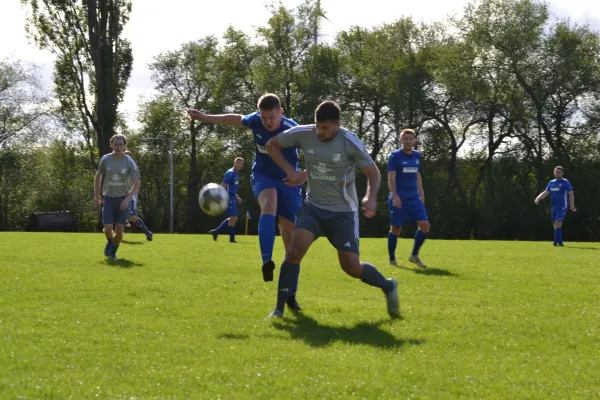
[
  {"x": 238, "y": 163},
  {"x": 327, "y": 119},
  {"x": 270, "y": 111},
  {"x": 408, "y": 139},
  {"x": 559, "y": 172},
  {"x": 118, "y": 143}
]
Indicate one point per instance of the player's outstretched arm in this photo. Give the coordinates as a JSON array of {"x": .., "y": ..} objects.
[
  {"x": 369, "y": 202},
  {"x": 233, "y": 120},
  {"x": 293, "y": 177},
  {"x": 542, "y": 196}
]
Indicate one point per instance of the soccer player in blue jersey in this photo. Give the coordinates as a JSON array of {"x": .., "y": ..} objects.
[
  {"x": 562, "y": 198},
  {"x": 407, "y": 198},
  {"x": 332, "y": 154},
  {"x": 276, "y": 200},
  {"x": 231, "y": 182}
]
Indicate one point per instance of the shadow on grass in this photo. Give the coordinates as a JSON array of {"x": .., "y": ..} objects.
[
  {"x": 582, "y": 248},
  {"x": 429, "y": 271},
  {"x": 233, "y": 336},
  {"x": 123, "y": 263},
  {"x": 128, "y": 242},
  {"x": 314, "y": 334}
]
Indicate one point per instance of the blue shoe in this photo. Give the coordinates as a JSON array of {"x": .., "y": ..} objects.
[
  {"x": 393, "y": 302},
  {"x": 107, "y": 248},
  {"x": 149, "y": 236}
]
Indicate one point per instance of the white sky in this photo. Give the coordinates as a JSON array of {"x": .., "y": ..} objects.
[{"x": 160, "y": 25}]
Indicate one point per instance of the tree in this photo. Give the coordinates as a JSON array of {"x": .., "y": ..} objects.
[{"x": 93, "y": 61}]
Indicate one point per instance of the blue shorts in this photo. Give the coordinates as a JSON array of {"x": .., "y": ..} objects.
[
  {"x": 112, "y": 213},
  {"x": 289, "y": 199},
  {"x": 340, "y": 228},
  {"x": 412, "y": 208},
  {"x": 558, "y": 213},
  {"x": 232, "y": 210},
  {"x": 133, "y": 207}
]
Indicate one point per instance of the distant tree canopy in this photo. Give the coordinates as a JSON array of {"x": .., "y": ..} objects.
[{"x": 498, "y": 96}]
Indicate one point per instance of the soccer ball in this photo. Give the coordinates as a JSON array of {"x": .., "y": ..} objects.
[{"x": 213, "y": 199}]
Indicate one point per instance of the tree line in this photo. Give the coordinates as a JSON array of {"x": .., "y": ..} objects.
[{"x": 499, "y": 95}]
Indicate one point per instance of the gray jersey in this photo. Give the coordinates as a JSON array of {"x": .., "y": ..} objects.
[
  {"x": 118, "y": 175},
  {"x": 330, "y": 166}
]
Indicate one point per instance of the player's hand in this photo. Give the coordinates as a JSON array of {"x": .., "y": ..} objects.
[
  {"x": 125, "y": 203},
  {"x": 537, "y": 202},
  {"x": 369, "y": 206},
  {"x": 396, "y": 201},
  {"x": 239, "y": 200},
  {"x": 573, "y": 209},
  {"x": 294, "y": 179},
  {"x": 97, "y": 199},
  {"x": 197, "y": 115}
]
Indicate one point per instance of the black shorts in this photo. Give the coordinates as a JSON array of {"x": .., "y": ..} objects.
[{"x": 340, "y": 228}]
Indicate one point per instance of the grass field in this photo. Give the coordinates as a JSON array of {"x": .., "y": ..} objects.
[{"x": 184, "y": 317}]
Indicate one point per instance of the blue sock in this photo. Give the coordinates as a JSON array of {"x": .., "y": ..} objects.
[
  {"x": 419, "y": 240},
  {"x": 392, "y": 241},
  {"x": 114, "y": 249},
  {"x": 266, "y": 235},
  {"x": 371, "y": 276},
  {"x": 219, "y": 228},
  {"x": 559, "y": 235},
  {"x": 555, "y": 236},
  {"x": 232, "y": 233},
  {"x": 287, "y": 280},
  {"x": 140, "y": 224}
]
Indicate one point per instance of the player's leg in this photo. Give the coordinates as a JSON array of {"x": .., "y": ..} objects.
[
  {"x": 558, "y": 223},
  {"x": 554, "y": 216},
  {"x": 108, "y": 220},
  {"x": 342, "y": 232},
  {"x": 307, "y": 229},
  {"x": 222, "y": 226},
  {"x": 264, "y": 189},
  {"x": 232, "y": 223},
  {"x": 396, "y": 222},
  {"x": 137, "y": 221},
  {"x": 121, "y": 217},
  {"x": 416, "y": 212},
  {"x": 289, "y": 201}
]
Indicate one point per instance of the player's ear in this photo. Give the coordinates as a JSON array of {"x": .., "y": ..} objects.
[{"x": 281, "y": 111}]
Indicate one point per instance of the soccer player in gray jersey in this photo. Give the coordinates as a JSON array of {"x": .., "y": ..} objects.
[
  {"x": 331, "y": 206},
  {"x": 121, "y": 184}
]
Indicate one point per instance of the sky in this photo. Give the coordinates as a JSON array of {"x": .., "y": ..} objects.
[{"x": 157, "y": 26}]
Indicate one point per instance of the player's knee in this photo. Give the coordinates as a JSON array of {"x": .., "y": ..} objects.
[
  {"x": 293, "y": 255},
  {"x": 424, "y": 226},
  {"x": 395, "y": 230},
  {"x": 354, "y": 269}
]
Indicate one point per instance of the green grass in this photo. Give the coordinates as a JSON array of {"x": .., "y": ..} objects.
[{"x": 184, "y": 317}]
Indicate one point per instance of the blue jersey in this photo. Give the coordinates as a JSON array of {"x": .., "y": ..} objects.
[
  {"x": 559, "y": 189},
  {"x": 407, "y": 166},
  {"x": 263, "y": 162},
  {"x": 232, "y": 180}
]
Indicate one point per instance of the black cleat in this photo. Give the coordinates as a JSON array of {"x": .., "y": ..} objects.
[
  {"x": 232, "y": 241},
  {"x": 267, "y": 270},
  {"x": 215, "y": 234},
  {"x": 293, "y": 305},
  {"x": 149, "y": 236}
]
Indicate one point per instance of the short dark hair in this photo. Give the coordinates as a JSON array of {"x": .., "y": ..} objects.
[
  {"x": 118, "y": 136},
  {"x": 269, "y": 101},
  {"x": 408, "y": 131},
  {"x": 560, "y": 167},
  {"x": 328, "y": 111}
]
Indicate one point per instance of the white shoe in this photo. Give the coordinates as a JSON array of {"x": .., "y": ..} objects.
[
  {"x": 416, "y": 260},
  {"x": 393, "y": 302}
]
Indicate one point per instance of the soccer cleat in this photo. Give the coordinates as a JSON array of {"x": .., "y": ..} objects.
[
  {"x": 214, "y": 234},
  {"x": 112, "y": 255},
  {"x": 267, "y": 270},
  {"x": 394, "y": 263},
  {"x": 393, "y": 302},
  {"x": 293, "y": 305},
  {"x": 416, "y": 260},
  {"x": 275, "y": 314},
  {"x": 107, "y": 248},
  {"x": 149, "y": 236},
  {"x": 232, "y": 241}
]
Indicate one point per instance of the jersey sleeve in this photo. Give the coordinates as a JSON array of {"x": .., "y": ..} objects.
[
  {"x": 419, "y": 163},
  {"x": 391, "y": 165},
  {"x": 569, "y": 186},
  {"x": 133, "y": 170},
  {"x": 227, "y": 178},
  {"x": 548, "y": 186},
  {"x": 248, "y": 120},
  {"x": 102, "y": 165},
  {"x": 294, "y": 137},
  {"x": 357, "y": 151}
]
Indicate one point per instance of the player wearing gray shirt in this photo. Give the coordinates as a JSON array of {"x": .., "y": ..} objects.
[
  {"x": 120, "y": 181},
  {"x": 331, "y": 154}
]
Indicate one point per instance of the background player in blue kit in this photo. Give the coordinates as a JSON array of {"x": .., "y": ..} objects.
[
  {"x": 407, "y": 198},
  {"x": 274, "y": 197},
  {"x": 562, "y": 198},
  {"x": 231, "y": 182}
]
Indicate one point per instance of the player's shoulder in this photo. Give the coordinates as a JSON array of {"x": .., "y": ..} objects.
[
  {"x": 552, "y": 181},
  {"x": 107, "y": 156},
  {"x": 301, "y": 129},
  {"x": 287, "y": 123},
  {"x": 130, "y": 159},
  {"x": 251, "y": 119},
  {"x": 352, "y": 138},
  {"x": 416, "y": 153}
]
